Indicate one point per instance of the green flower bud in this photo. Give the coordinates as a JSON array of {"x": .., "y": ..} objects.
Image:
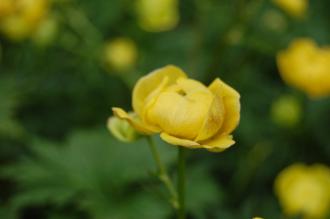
[
  {"x": 121, "y": 129},
  {"x": 286, "y": 111}
]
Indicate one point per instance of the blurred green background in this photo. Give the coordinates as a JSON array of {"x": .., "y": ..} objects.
[{"x": 57, "y": 158}]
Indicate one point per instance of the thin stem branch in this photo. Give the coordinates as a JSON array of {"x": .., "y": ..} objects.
[
  {"x": 162, "y": 173},
  {"x": 181, "y": 182}
]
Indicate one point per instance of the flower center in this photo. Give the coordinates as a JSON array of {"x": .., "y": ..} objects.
[{"x": 182, "y": 92}]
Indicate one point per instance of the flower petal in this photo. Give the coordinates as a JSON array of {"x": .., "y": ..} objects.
[
  {"x": 179, "y": 141},
  {"x": 218, "y": 143},
  {"x": 147, "y": 84},
  {"x": 181, "y": 115},
  {"x": 213, "y": 120},
  {"x": 134, "y": 121},
  {"x": 231, "y": 104},
  {"x": 214, "y": 145}
]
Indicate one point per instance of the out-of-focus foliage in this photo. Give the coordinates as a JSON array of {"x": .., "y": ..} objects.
[{"x": 58, "y": 161}]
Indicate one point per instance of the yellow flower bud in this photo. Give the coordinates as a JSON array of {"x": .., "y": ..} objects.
[
  {"x": 121, "y": 129},
  {"x": 286, "y": 111},
  {"x": 295, "y": 8},
  {"x": 120, "y": 54},
  {"x": 304, "y": 190},
  {"x": 157, "y": 16},
  {"x": 184, "y": 111},
  {"x": 306, "y": 66},
  {"x": 257, "y": 218},
  {"x": 23, "y": 19}
]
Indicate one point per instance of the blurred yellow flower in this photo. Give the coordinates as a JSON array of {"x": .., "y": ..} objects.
[
  {"x": 286, "y": 111},
  {"x": 184, "y": 111},
  {"x": 22, "y": 17},
  {"x": 306, "y": 66},
  {"x": 295, "y": 8},
  {"x": 120, "y": 54},
  {"x": 121, "y": 129},
  {"x": 157, "y": 16},
  {"x": 304, "y": 190},
  {"x": 6, "y": 7}
]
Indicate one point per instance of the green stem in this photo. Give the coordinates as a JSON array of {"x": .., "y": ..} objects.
[
  {"x": 181, "y": 182},
  {"x": 162, "y": 173}
]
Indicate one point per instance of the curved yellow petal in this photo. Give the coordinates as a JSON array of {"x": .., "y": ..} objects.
[
  {"x": 179, "y": 141},
  {"x": 134, "y": 121},
  {"x": 214, "y": 145},
  {"x": 213, "y": 120},
  {"x": 147, "y": 84},
  {"x": 230, "y": 98},
  {"x": 152, "y": 97},
  {"x": 218, "y": 143}
]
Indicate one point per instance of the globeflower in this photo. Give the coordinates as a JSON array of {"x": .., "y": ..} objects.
[
  {"x": 157, "y": 16},
  {"x": 295, "y": 8},
  {"x": 184, "y": 111},
  {"x": 20, "y": 18},
  {"x": 306, "y": 66},
  {"x": 304, "y": 190}
]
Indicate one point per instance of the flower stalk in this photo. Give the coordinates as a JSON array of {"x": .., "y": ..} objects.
[
  {"x": 181, "y": 182},
  {"x": 162, "y": 174}
]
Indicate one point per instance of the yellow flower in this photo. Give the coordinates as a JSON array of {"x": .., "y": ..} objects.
[
  {"x": 304, "y": 190},
  {"x": 120, "y": 54},
  {"x": 306, "y": 66},
  {"x": 157, "y": 16},
  {"x": 23, "y": 18},
  {"x": 184, "y": 111},
  {"x": 295, "y": 8},
  {"x": 6, "y": 7}
]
